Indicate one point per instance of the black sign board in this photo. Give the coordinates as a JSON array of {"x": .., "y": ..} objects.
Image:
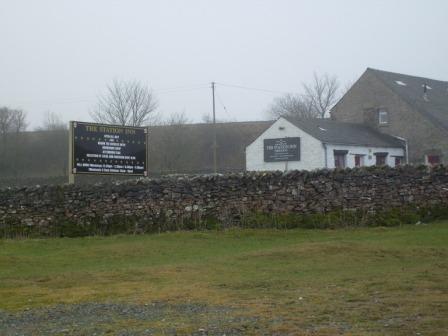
[
  {"x": 108, "y": 149},
  {"x": 281, "y": 149}
]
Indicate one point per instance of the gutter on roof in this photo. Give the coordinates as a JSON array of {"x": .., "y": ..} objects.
[
  {"x": 406, "y": 147},
  {"x": 325, "y": 151},
  {"x": 360, "y": 144}
]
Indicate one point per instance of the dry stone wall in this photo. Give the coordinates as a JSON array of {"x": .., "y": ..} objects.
[{"x": 151, "y": 203}]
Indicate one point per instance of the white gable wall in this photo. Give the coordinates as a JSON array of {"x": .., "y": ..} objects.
[
  {"x": 312, "y": 151},
  {"x": 312, "y": 154}
]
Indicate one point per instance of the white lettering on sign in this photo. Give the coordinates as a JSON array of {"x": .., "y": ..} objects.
[{"x": 109, "y": 149}]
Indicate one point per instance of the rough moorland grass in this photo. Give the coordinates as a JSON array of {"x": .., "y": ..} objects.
[{"x": 369, "y": 281}]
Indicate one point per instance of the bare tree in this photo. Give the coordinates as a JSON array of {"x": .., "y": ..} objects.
[
  {"x": 316, "y": 101},
  {"x": 5, "y": 120},
  {"x": 18, "y": 121},
  {"x": 208, "y": 119},
  {"x": 12, "y": 120},
  {"x": 179, "y": 118},
  {"x": 323, "y": 93},
  {"x": 12, "y": 123},
  {"x": 5, "y": 127},
  {"x": 126, "y": 103},
  {"x": 294, "y": 106},
  {"x": 52, "y": 122}
]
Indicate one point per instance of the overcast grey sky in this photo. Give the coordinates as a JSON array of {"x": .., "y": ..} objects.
[{"x": 58, "y": 55}]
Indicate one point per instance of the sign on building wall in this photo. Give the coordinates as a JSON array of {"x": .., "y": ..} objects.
[
  {"x": 282, "y": 149},
  {"x": 108, "y": 149}
]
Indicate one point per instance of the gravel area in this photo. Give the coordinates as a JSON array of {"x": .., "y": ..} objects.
[{"x": 127, "y": 319}]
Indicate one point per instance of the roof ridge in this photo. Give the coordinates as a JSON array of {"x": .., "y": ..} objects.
[
  {"x": 328, "y": 120},
  {"x": 402, "y": 74},
  {"x": 218, "y": 123}
]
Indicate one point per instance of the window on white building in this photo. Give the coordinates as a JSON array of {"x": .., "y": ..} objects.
[
  {"x": 380, "y": 159},
  {"x": 340, "y": 158},
  {"x": 359, "y": 160}
]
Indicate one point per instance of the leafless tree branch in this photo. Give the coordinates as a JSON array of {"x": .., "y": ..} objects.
[
  {"x": 316, "y": 101},
  {"x": 177, "y": 119},
  {"x": 19, "y": 123},
  {"x": 5, "y": 120},
  {"x": 294, "y": 106},
  {"x": 12, "y": 120},
  {"x": 323, "y": 92},
  {"x": 126, "y": 103},
  {"x": 52, "y": 122}
]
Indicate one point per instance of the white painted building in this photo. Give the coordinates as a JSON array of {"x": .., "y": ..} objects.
[{"x": 321, "y": 143}]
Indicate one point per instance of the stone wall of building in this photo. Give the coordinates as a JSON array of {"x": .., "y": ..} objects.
[
  {"x": 361, "y": 103},
  {"x": 150, "y": 204}
]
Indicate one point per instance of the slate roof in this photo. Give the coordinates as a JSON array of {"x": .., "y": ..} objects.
[
  {"x": 342, "y": 133},
  {"x": 188, "y": 148},
  {"x": 411, "y": 89},
  {"x": 248, "y": 130}
]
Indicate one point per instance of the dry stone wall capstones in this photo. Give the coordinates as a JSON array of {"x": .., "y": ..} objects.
[{"x": 151, "y": 204}]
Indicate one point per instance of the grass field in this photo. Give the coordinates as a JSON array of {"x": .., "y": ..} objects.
[{"x": 372, "y": 281}]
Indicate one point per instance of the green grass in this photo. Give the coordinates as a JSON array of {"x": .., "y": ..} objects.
[{"x": 377, "y": 281}]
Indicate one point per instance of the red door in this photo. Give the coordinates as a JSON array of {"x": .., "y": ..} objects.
[
  {"x": 433, "y": 160},
  {"x": 398, "y": 161},
  {"x": 339, "y": 160}
]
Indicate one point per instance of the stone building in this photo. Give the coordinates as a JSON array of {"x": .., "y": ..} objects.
[
  {"x": 309, "y": 144},
  {"x": 413, "y": 108}
]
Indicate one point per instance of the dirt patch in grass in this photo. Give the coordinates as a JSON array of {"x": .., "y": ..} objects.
[{"x": 127, "y": 319}]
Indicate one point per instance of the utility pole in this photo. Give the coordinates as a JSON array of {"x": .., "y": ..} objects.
[
  {"x": 215, "y": 167},
  {"x": 71, "y": 176}
]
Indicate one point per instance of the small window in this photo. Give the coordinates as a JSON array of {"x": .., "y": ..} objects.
[
  {"x": 359, "y": 160},
  {"x": 380, "y": 159},
  {"x": 398, "y": 161},
  {"x": 340, "y": 158},
  {"x": 432, "y": 160},
  {"x": 383, "y": 118}
]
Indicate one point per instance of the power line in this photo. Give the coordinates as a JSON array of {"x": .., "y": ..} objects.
[
  {"x": 186, "y": 89},
  {"x": 169, "y": 90},
  {"x": 222, "y": 104},
  {"x": 92, "y": 99},
  {"x": 252, "y": 88},
  {"x": 183, "y": 87},
  {"x": 56, "y": 102},
  {"x": 228, "y": 114}
]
